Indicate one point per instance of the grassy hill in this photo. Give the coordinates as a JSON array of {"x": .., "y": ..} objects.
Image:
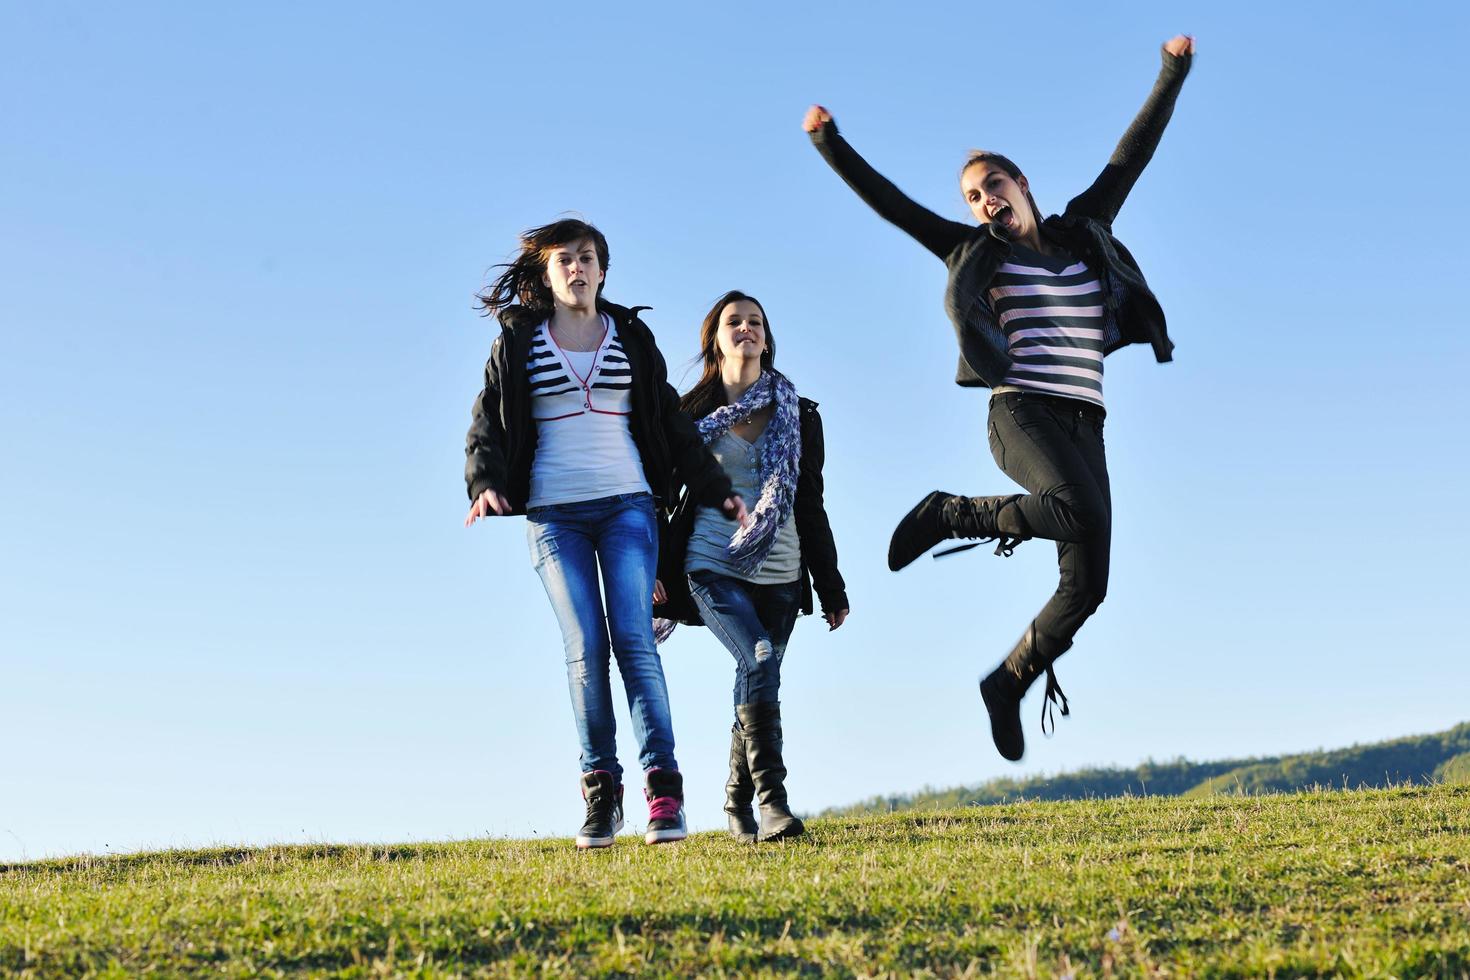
[
  {"x": 1419, "y": 759},
  {"x": 1368, "y": 883}
]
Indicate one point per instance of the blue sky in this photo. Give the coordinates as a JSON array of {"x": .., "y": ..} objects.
[{"x": 236, "y": 601}]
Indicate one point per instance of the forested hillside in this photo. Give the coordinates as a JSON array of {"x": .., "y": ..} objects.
[{"x": 1441, "y": 757}]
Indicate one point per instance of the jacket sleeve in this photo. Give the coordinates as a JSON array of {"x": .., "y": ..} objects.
[
  {"x": 938, "y": 235},
  {"x": 1104, "y": 199},
  {"x": 485, "y": 466},
  {"x": 812, "y": 526},
  {"x": 694, "y": 465}
]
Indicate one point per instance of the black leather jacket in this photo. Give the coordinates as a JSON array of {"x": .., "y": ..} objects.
[{"x": 502, "y": 439}]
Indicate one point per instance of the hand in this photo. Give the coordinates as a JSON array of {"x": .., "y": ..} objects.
[
  {"x": 816, "y": 118},
  {"x": 660, "y": 594},
  {"x": 734, "y": 508},
  {"x": 1180, "y": 45},
  {"x": 834, "y": 619},
  {"x": 484, "y": 504}
]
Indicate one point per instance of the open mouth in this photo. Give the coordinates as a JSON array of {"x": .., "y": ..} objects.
[{"x": 1003, "y": 216}]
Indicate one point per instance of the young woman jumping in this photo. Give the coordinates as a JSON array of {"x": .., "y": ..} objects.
[
  {"x": 578, "y": 428},
  {"x": 748, "y": 584},
  {"x": 1035, "y": 304}
]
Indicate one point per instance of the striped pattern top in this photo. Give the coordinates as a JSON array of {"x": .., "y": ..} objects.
[
  {"x": 1051, "y": 309},
  {"x": 567, "y": 383},
  {"x": 580, "y": 401}
]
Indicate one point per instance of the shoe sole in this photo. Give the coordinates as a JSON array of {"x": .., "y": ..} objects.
[
  {"x": 794, "y": 831},
  {"x": 664, "y": 836},
  {"x": 591, "y": 843},
  {"x": 990, "y": 716}
]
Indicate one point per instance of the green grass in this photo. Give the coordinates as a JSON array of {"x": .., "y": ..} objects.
[{"x": 1368, "y": 883}]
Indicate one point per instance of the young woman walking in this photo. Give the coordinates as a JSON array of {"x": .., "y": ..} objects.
[
  {"x": 578, "y": 428},
  {"x": 747, "y": 584},
  {"x": 1035, "y": 304}
]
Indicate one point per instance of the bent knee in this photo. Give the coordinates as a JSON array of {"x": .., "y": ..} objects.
[{"x": 1082, "y": 514}]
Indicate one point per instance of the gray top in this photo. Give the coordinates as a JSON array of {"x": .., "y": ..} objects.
[{"x": 710, "y": 539}]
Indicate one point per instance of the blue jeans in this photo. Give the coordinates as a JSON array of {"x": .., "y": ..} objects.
[
  {"x": 568, "y": 544},
  {"x": 753, "y": 622}
]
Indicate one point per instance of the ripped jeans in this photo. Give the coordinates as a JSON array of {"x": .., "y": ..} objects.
[
  {"x": 753, "y": 622},
  {"x": 568, "y": 544}
]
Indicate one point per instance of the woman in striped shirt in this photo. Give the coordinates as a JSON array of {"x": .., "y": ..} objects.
[
  {"x": 1035, "y": 303},
  {"x": 578, "y": 428}
]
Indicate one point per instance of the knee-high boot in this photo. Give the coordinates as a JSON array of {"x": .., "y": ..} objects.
[
  {"x": 943, "y": 515},
  {"x": 740, "y": 790},
  {"x": 1003, "y": 688},
  {"x": 762, "y": 725}
]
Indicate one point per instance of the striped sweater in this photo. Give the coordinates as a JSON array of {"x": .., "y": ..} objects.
[{"x": 1051, "y": 310}]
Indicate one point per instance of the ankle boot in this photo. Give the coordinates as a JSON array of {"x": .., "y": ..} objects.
[
  {"x": 1003, "y": 689},
  {"x": 665, "y": 793},
  {"x": 739, "y": 791},
  {"x": 603, "y": 795},
  {"x": 943, "y": 515},
  {"x": 762, "y": 725}
]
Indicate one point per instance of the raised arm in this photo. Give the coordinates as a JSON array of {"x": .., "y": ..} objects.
[
  {"x": 1105, "y": 197},
  {"x": 938, "y": 235}
]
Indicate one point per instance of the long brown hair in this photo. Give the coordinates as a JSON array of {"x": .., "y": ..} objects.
[
  {"x": 708, "y": 392},
  {"x": 1005, "y": 163},
  {"x": 521, "y": 280}
]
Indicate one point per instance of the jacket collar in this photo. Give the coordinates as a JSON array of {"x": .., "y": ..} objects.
[{"x": 514, "y": 319}]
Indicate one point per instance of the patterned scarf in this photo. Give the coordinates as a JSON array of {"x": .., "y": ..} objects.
[{"x": 779, "y": 464}]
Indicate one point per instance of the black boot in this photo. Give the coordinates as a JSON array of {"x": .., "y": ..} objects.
[
  {"x": 1005, "y": 686},
  {"x": 604, "y": 796},
  {"x": 943, "y": 515},
  {"x": 762, "y": 725},
  {"x": 739, "y": 791}
]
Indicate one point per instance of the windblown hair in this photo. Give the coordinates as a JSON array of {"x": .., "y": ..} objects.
[
  {"x": 1004, "y": 163},
  {"x": 708, "y": 392},
  {"x": 522, "y": 279}
]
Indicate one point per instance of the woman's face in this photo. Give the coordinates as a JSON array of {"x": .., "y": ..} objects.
[
  {"x": 573, "y": 272},
  {"x": 742, "y": 333},
  {"x": 994, "y": 195}
]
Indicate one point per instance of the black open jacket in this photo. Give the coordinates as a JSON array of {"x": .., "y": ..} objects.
[
  {"x": 818, "y": 550},
  {"x": 502, "y": 439},
  {"x": 974, "y": 253}
]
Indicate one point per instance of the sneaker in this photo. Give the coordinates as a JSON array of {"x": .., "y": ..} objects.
[
  {"x": 665, "y": 806},
  {"x": 604, "y": 796}
]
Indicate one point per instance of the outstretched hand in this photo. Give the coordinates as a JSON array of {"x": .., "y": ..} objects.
[
  {"x": 816, "y": 117},
  {"x": 1180, "y": 45}
]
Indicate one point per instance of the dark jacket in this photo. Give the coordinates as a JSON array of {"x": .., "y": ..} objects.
[
  {"x": 1085, "y": 230},
  {"x": 502, "y": 438},
  {"x": 818, "y": 550}
]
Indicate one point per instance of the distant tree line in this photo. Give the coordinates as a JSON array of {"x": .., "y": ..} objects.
[{"x": 1442, "y": 757}]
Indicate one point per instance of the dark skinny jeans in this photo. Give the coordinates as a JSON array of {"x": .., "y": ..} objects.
[{"x": 1053, "y": 447}]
